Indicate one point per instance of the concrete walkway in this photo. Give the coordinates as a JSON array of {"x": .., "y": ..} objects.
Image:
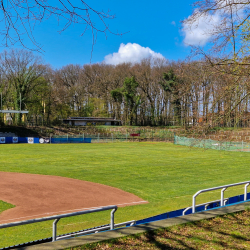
[{"x": 117, "y": 233}]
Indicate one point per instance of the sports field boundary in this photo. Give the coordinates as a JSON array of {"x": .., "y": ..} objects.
[{"x": 117, "y": 233}]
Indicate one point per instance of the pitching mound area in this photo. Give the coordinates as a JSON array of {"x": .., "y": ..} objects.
[{"x": 38, "y": 196}]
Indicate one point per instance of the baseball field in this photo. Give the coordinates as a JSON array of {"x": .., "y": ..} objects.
[{"x": 144, "y": 178}]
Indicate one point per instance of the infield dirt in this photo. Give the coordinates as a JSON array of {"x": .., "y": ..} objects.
[{"x": 36, "y": 196}]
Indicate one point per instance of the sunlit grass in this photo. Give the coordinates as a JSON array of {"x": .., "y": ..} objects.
[
  {"x": 230, "y": 231},
  {"x": 4, "y": 206},
  {"x": 163, "y": 174}
]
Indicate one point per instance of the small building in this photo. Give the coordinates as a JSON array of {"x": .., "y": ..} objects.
[{"x": 90, "y": 121}]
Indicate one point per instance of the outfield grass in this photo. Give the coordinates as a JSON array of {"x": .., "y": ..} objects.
[{"x": 164, "y": 174}]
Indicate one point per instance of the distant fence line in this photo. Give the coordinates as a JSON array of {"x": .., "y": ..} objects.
[
  {"x": 105, "y": 138},
  {"x": 88, "y": 138},
  {"x": 32, "y": 140},
  {"x": 212, "y": 144}
]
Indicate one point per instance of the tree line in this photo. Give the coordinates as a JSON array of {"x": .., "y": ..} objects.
[{"x": 150, "y": 93}]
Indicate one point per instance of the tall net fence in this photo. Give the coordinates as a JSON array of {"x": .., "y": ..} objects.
[{"x": 212, "y": 144}]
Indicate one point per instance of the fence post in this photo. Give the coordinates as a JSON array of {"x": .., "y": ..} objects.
[
  {"x": 54, "y": 229},
  {"x": 222, "y": 197},
  {"x": 50, "y": 138},
  {"x": 98, "y": 136},
  {"x": 245, "y": 193},
  {"x": 242, "y": 145},
  {"x": 112, "y": 219},
  {"x": 112, "y": 138},
  {"x": 67, "y": 138},
  {"x": 194, "y": 203},
  {"x": 126, "y": 137}
]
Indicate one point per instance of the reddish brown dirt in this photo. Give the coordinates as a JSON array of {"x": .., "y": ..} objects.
[{"x": 38, "y": 196}]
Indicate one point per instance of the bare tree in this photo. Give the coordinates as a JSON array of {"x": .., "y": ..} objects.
[
  {"x": 20, "y": 17},
  {"x": 228, "y": 28},
  {"x": 21, "y": 69}
]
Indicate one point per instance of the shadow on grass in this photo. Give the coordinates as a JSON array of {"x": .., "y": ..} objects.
[{"x": 152, "y": 238}]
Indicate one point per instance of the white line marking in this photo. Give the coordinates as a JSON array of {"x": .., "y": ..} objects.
[{"x": 78, "y": 209}]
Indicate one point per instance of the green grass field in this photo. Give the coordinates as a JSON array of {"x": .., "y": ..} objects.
[
  {"x": 5, "y": 205},
  {"x": 164, "y": 174}
]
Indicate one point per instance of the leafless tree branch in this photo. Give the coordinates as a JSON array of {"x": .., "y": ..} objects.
[{"x": 20, "y": 17}]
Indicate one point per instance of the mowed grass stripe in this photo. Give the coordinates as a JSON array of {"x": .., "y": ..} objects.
[{"x": 164, "y": 174}]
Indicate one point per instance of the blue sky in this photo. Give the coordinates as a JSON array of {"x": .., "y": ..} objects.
[{"x": 154, "y": 25}]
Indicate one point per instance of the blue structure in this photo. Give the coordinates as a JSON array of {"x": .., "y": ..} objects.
[{"x": 53, "y": 140}]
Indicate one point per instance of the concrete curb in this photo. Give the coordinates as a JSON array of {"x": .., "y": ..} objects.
[{"x": 62, "y": 244}]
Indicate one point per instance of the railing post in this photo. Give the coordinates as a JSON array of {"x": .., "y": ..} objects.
[
  {"x": 222, "y": 197},
  {"x": 54, "y": 229},
  {"x": 245, "y": 193},
  {"x": 112, "y": 218},
  {"x": 193, "y": 206}
]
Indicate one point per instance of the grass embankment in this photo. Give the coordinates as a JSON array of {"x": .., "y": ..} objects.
[
  {"x": 165, "y": 175},
  {"x": 230, "y": 231}
]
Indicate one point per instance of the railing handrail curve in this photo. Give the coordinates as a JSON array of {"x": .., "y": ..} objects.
[{"x": 223, "y": 188}]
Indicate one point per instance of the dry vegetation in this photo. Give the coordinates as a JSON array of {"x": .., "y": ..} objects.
[{"x": 230, "y": 231}]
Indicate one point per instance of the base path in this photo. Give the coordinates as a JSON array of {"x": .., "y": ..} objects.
[{"x": 38, "y": 196}]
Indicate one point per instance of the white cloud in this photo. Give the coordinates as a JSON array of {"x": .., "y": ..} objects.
[
  {"x": 201, "y": 30},
  {"x": 131, "y": 52}
]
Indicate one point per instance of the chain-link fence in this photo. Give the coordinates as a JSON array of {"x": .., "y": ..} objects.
[{"x": 212, "y": 144}]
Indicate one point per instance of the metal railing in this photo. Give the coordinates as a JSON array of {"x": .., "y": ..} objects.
[
  {"x": 56, "y": 218},
  {"x": 95, "y": 230},
  {"x": 204, "y": 204},
  {"x": 223, "y": 188}
]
